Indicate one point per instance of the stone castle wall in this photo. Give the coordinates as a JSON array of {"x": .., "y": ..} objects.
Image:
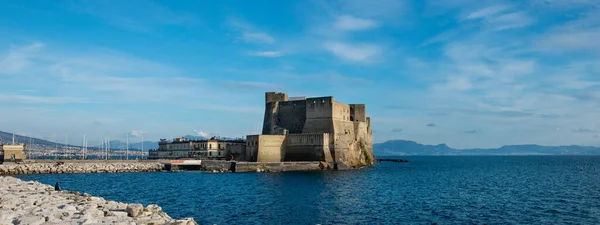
[
  {"x": 272, "y": 148},
  {"x": 343, "y": 132},
  {"x": 308, "y": 147}
]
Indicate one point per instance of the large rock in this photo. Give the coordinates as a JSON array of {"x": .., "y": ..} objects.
[
  {"x": 35, "y": 203},
  {"x": 134, "y": 210},
  {"x": 30, "y": 220},
  {"x": 82, "y": 167}
]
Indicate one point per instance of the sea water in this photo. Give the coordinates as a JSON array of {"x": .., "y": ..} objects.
[{"x": 428, "y": 189}]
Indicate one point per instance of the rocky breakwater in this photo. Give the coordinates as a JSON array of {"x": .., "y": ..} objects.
[
  {"x": 100, "y": 167},
  {"x": 35, "y": 203}
]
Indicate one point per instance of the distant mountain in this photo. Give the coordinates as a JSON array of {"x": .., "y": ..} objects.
[
  {"x": 36, "y": 143},
  {"x": 192, "y": 137},
  {"x": 6, "y": 137},
  {"x": 403, "y": 147},
  {"x": 388, "y": 148},
  {"x": 147, "y": 145}
]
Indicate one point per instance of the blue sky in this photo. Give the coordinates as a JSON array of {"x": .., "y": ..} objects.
[{"x": 462, "y": 72}]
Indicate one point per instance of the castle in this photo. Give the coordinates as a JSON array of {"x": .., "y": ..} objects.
[{"x": 312, "y": 129}]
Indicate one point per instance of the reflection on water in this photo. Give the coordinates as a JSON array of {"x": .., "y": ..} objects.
[{"x": 465, "y": 189}]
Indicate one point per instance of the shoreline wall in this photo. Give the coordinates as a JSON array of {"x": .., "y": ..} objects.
[
  {"x": 241, "y": 167},
  {"x": 80, "y": 167},
  {"x": 31, "y": 202}
]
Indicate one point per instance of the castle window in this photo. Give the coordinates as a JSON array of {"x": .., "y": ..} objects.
[{"x": 322, "y": 101}]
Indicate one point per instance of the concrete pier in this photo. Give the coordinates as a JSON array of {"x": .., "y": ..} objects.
[
  {"x": 234, "y": 166},
  {"x": 117, "y": 166}
]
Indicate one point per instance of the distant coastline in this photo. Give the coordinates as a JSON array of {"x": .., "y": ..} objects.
[
  {"x": 387, "y": 148},
  {"x": 411, "y": 148}
]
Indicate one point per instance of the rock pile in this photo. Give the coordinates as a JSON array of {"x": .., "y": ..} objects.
[
  {"x": 35, "y": 203},
  {"x": 103, "y": 167}
]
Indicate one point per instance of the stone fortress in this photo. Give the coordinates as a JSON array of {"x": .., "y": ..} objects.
[{"x": 312, "y": 129}]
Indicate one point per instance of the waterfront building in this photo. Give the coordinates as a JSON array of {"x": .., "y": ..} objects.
[
  {"x": 184, "y": 148},
  {"x": 13, "y": 152}
]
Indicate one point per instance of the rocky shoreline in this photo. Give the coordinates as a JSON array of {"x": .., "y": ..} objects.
[
  {"x": 30, "y": 202},
  {"x": 87, "y": 167}
]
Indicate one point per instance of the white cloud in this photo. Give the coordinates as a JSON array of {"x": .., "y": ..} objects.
[
  {"x": 571, "y": 41},
  {"x": 354, "y": 52},
  {"x": 579, "y": 35},
  {"x": 351, "y": 23},
  {"x": 487, "y": 12},
  {"x": 270, "y": 54},
  {"x": 252, "y": 85},
  {"x": 118, "y": 14},
  {"x": 249, "y": 33},
  {"x": 18, "y": 59},
  {"x": 258, "y": 37},
  {"x": 202, "y": 133},
  {"x": 510, "y": 21},
  {"x": 138, "y": 133},
  {"x": 500, "y": 17},
  {"x": 382, "y": 9},
  {"x": 40, "y": 99},
  {"x": 458, "y": 83}
]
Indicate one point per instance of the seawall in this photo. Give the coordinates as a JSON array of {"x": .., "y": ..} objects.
[
  {"x": 233, "y": 166},
  {"x": 80, "y": 167},
  {"x": 279, "y": 166},
  {"x": 35, "y": 203}
]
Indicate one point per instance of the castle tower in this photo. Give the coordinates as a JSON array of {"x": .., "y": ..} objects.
[{"x": 272, "y": 100}]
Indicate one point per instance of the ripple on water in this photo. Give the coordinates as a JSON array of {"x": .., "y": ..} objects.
[{"x": 443, "y": 190}]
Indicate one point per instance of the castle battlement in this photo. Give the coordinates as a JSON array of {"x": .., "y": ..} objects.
[{"x": 312, "y": 129}]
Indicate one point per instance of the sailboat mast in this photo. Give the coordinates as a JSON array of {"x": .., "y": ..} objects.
[
  {"x": 83, "y": 147},
  {"x": 127, "y": 147},
  {"x": 108, "y": 146},
  {"x": 27, "y": 154}
]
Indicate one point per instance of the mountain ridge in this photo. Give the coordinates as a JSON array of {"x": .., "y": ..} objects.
[
  {"x": 388, "y": 148},
  {"x": 406, "y": 147}
]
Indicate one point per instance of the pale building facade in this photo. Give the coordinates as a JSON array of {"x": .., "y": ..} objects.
[
  {"x": 183, "y": 148},
  {"x": 12, "y": 152}
]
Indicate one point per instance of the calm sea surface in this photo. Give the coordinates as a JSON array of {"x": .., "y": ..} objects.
[{"x": 442, "y": 190}]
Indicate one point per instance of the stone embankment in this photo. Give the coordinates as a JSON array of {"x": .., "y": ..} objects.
[
  {"x": 34, "y": 203},
  {"x": 89, "y": 167}
]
